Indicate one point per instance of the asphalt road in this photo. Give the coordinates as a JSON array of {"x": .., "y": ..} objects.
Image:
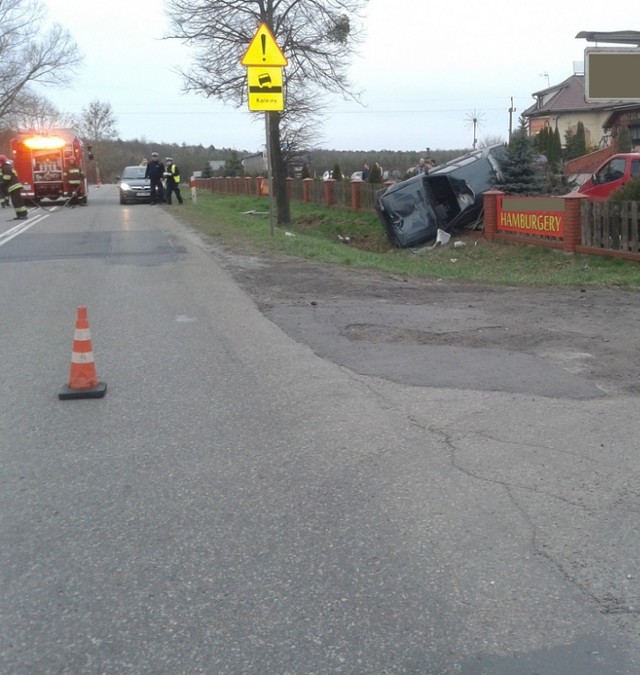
[{"x": 304, "y": 470}]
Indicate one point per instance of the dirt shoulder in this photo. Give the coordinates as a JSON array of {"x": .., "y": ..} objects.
[{"x": 550, "y": 341}]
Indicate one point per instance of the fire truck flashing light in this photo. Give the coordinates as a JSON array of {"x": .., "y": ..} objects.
[{"x": 44, "y": 142}]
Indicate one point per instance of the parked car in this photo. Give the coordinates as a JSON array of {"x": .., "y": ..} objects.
[
  {"x": 448, "y": 197},
  {"x": 611, "y": 175},
  {"x": 329, "y": 175},
  {"x": 133, "y": 186}
]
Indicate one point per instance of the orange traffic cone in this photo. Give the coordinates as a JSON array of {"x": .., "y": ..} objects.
[{"x": 83, "y": 381}]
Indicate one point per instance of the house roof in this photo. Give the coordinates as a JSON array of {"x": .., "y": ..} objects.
[
  {"x": 618, "y": 110},
  {"x": 568, "y": 96}
]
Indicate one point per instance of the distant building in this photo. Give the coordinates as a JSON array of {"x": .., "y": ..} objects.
[
  {"x": 563, "y": 105},
  {"x": 216, "y": 164},
  {"x": 255, "y": 164}
]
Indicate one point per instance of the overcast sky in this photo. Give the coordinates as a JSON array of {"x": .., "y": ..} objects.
[{"x": 427, "y": 70}]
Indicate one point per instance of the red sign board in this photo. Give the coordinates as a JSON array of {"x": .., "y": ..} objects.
[{"x": 542, "y": 216}]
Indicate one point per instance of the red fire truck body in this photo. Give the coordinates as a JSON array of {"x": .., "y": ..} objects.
[{"x": 42, "y": 162}]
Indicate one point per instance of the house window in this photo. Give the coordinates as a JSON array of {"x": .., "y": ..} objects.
[{"x": 536, "y": 125}]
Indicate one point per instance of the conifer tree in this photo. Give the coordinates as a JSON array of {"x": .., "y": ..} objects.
[
  {"x": 557, "y": 147},
  {"x": 581, "y": 141},
  {"x": 375, "y": 175},
  {"x": 548, "y": 142},
  {"x": 569, "y": 144},
  {"x": 520, "y": 175},
  {"x": 623, "y": 139},
  {"x": 552, "y": 149},
  {"x": 575, "y": 143},
  {"x": 539, "y": 140},
  {"x": 233, "y": 165}
]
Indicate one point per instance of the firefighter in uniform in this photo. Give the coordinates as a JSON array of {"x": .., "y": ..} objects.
[
  {"x": 74, "y": 179},
  {"x": 12, "y": 187},
  {"x": 6, "y": 203},
  {"x": 172, "y": 176}
]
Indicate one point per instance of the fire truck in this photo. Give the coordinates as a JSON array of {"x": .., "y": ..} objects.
[{"x": 42, "y": 161}]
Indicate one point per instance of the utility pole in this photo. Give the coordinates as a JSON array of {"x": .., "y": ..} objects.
[{"x": 511, "y": 111}]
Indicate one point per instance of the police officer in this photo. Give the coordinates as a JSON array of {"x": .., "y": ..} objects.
[
  {"x": 172, "y": 175},
  {"x": 12, "y": 187},
  {"x": 74, "y": 179},
  {"x": 155, "y": 173}
]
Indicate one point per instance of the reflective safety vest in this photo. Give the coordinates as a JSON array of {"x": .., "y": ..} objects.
[
  {"x": 10, "y": 180},
  {"x": 175, "y": 173},
  {"x": 74, "y": 176}
]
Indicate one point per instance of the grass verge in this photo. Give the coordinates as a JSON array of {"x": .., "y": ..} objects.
[{"x": 242, "y": 223}]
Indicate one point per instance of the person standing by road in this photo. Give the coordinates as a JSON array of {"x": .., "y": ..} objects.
[
  {"x": 172, "y": 176},
  {"x": 12, "y": 187},
  {"x": 75, "y": 180},
  {"x": 155, "y": 173}
]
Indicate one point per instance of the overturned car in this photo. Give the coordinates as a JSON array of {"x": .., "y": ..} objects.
[{"x": 448, "y": 197}]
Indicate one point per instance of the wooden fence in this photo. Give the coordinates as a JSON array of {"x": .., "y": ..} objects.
[{"x": 610, "y": 227}]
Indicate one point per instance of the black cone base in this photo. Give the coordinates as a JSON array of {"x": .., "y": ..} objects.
[{"x": 94, "y": 392}]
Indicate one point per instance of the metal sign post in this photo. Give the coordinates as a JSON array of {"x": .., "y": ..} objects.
[
  {"x": 264, "y": 61},
  {"x": 269, "y": 179}
]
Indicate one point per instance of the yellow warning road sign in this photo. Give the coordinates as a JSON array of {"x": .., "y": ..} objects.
[
  {"x": 265, "y": 88},
  {"x": 263, "y": 50}
]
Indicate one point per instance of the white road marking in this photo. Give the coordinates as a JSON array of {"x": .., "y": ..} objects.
[{"x": 21, "y": 227}]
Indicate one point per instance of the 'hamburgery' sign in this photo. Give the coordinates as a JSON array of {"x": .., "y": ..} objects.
[{"x": 532, "y": 215}]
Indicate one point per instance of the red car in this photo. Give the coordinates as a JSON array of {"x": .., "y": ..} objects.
[{"x": 613, "y": 174}]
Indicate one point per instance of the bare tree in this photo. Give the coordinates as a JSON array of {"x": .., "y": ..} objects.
[
  {"x": 96, "y": 125},
  {"x": 491, "y": 140},
  {"x": 29, "y": 55},
  {"x": 299, "y": 128},
  {"x": 318, "y": 37},
  {"x": 38, "y": 114},
  {"x": 97, "y": 122}
]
